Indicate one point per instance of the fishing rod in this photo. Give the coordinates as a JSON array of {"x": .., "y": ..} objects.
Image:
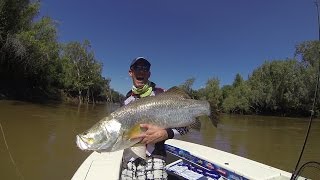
[
  {"x": 296, "y": 172},
  {"x": 10, "y": 155}
]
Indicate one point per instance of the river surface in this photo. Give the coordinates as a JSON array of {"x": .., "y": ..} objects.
[{"x": 38, "y": 140}]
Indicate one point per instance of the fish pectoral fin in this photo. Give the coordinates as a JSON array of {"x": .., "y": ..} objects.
[
  {"x": 133, "y": 132},
  {"x": 196, "y": 124},
  {"x": 139, "y": 150}
]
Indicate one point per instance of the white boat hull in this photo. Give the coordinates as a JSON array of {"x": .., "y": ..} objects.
[
  {"x": 226, "y": 165},
  {"x": 98, "y": 166}
]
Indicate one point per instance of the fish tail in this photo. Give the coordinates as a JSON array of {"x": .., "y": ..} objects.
[
  {"x": 196, "y": 124},
  {"x": 214, "y": 114}
]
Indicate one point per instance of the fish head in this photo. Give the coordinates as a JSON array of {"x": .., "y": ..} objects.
[{"x": 100, "y": 137}]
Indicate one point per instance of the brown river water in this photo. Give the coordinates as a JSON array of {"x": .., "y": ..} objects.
[{"x": 41, "y": 139}]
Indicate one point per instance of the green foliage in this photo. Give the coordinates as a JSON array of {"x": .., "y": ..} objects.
[
  {"x": 278, "y": 86},
  {"x": 16, "y": 15},
  {"x": 41, "y": 50},
  {"x": 187, "y": 86},
  {"x": 29, "y": 50},
  {"x": 226, "y": 89},
  {"x": 82, "y": 72},
  {"x": 33, "y": 63},
  {"x": 115, "y": 96},
  {"x": 309, "y": 52},
  {"x": 237, "y": 97},
  {"x": 283, "y": 87},
  {"x": 212, "y": 92},
  {"x": 237, "y": 81}
]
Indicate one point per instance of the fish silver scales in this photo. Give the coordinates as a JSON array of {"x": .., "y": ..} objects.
[{"x": 170, "y": 109}]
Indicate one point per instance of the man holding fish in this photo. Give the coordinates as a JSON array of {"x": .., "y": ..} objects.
[
  {"x": 153, "y": 167},
  {"x": 150, "y": 116}
]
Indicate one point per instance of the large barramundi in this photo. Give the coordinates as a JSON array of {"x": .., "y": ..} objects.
[{"x": 173, "y": 108}]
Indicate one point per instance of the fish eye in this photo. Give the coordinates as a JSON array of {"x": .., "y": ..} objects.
[{"x": 90, "y": 140}]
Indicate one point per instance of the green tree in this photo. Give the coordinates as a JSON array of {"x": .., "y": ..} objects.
[
  {"x": 308, "y": 52},
  {"x": 226, "y": 89},
  {"x": 33, "y": 63},
  {"x": 237, "y": 97},
  {"x": 28, "y": 49},
  {"x": 41, "y": 59},
  {"x": 212, "y": 92},
  {"x": 277, "y": 86},
  {"x": 82, "y": 72},
  {"x": 15, "y": 16},
  {"x": 238, "y": 80},
  {"x": 187, "y": 86}
]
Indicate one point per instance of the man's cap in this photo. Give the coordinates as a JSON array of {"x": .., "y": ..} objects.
[{"x": 140, "y": 59}]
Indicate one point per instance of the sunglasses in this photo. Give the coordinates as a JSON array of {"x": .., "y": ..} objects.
[{"x": 140, "y": 68}]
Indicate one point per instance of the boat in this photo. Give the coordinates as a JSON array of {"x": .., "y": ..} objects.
[{"x": 189, "y": 161}]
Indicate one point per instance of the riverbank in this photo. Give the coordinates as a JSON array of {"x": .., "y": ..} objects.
[{"x": 47, "y": 98}]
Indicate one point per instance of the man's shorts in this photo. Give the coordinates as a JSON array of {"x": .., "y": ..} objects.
[{"x": 151, "y": 168}]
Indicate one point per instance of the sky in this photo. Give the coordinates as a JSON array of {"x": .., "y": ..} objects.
[{"x": 183, "y": 39}]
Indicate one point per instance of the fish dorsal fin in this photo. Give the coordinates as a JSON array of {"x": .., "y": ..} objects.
[{"x": 176, "y": 91}]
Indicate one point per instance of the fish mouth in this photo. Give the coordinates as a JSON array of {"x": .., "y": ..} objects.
[{"x": 81, "y": 143}]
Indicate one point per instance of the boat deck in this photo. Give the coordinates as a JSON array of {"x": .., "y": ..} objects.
[
  {"x": 195, "y": 157},
  {"x": 100, "y": 166},
  {"x": 226, "y": 164}
]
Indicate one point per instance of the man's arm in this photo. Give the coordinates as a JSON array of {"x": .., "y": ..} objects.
[
  {"x": 154, "y": 134},
  {"x": 179, "y": 131}
]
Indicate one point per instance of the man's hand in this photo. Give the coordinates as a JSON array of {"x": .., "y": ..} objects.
[{"x": 153, "y": 134}]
